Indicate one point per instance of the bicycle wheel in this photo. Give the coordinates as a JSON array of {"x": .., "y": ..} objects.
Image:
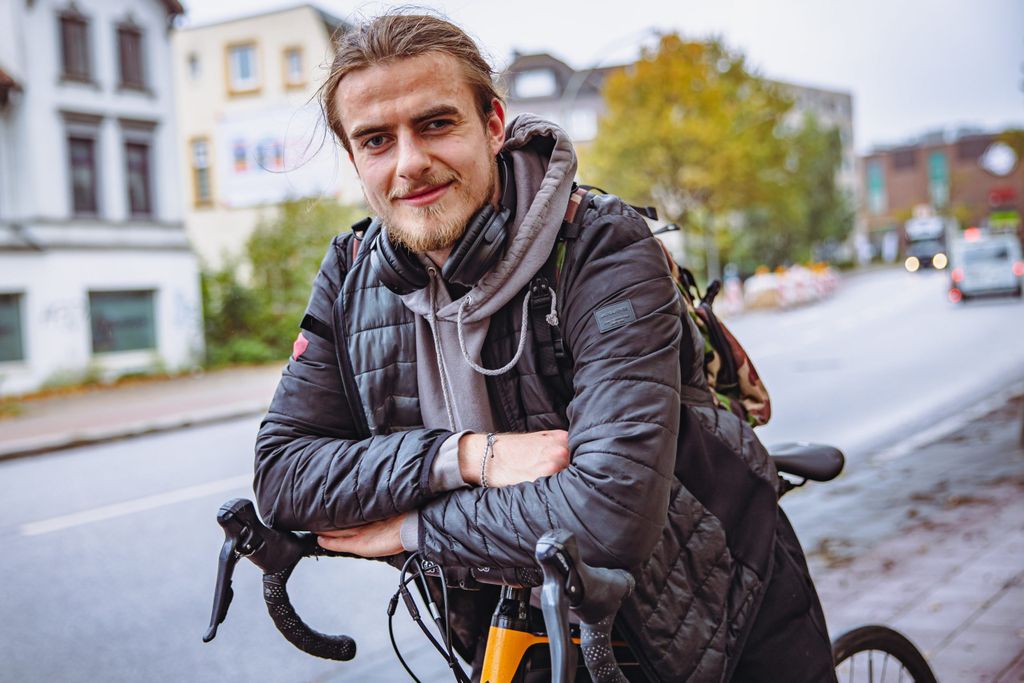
[{"x": 878, "y": 654}]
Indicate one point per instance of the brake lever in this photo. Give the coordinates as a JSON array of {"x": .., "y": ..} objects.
[
  {"x": 223, "y": 593},
  {"x": 239, "y": 540},
  {"x": 276, "y": 553},
  {"x": 595, "y": 595},
  {"x": 560, "y": 581}
]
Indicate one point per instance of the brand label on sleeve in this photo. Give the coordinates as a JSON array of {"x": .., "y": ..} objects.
[{"x": 614, "y": 316}]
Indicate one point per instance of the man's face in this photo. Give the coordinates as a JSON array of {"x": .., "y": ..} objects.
[{"x": 423, "y": 155}]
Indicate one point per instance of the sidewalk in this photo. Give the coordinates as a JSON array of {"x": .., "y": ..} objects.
[
  {"x": 104, "y": 414},
  {"x": 950, "y": 576}
]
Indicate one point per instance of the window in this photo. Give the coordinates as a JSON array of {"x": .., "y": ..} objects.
[
  {"x": 293, "y": 73},
  {"x": 11, "y": 346},
  {"x": 136, "y": 156},
  {"x": 201, "y": 171},
  {"x": 904, "y": 159},
  {"x": 583, "y": 125},
  {"x": 122, "y": 321},
  {"x": 876, "y": 187},
  {"x": 970, "y": 149},
  {"x": 195, "y": 69},
  {"x": 243, "y": 74},
  {"x": 74, "y": 43},
  {"x": 84, "y": 186},
  {"x": 129, "y": 52},
  {"x": 536, "y": 83},
  {"x": 938, "y": 178}
]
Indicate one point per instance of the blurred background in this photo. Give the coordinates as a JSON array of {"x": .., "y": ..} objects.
[{"x": 851, "y": 172}]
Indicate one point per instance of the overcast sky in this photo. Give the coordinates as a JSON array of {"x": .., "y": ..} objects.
[{"x": 911, "y": 65}]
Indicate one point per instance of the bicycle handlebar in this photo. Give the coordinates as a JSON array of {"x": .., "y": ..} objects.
[
  {"x": 276, "y": 553},
  {"x": 594, "y": 593}
]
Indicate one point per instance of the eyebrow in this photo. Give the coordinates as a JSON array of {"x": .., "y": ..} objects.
[{"x": 433, "y": 112}]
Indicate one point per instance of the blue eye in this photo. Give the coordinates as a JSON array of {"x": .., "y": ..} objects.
[{"x": 438, "y": 124}]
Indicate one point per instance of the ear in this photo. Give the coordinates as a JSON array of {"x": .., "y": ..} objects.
[{"x": 495, "y": 125}]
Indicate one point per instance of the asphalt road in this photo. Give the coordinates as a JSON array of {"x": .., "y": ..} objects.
[
  {"x": 109, "y": 551},
  {"x": 886, "y": 356}
]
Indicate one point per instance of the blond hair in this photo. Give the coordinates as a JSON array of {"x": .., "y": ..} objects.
[{"x": 400, "y": 36}]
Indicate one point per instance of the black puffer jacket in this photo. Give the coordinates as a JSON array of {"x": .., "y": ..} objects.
[{"x": 661, "y": 482}]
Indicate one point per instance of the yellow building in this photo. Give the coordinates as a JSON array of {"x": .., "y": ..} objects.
[{"x": 250, "y": 127}]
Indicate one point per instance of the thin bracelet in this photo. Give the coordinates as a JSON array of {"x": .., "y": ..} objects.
[{"x": 488, "y": 454}]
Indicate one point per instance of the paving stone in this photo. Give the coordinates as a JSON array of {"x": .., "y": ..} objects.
[{"x": 978, "y": 654}]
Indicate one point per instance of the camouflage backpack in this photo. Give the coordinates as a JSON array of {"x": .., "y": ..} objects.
[{"x": 734, "y": 383}]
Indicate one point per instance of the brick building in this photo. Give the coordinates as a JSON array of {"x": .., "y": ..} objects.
[{"x": 975, "y": 177}]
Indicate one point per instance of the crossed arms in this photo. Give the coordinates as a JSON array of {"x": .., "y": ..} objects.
[{"x": 312, "y": 473}]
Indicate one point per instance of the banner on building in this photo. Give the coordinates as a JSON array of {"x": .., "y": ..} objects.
[{"x": 279, "y": 153}]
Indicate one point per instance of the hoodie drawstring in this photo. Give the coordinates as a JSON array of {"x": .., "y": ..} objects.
[
  {"x": 552, "y": 319},
  {"x": 442, "y": 367}
]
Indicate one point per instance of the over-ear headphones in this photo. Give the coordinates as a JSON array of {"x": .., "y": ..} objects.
[{"x": 476, "y": 252}]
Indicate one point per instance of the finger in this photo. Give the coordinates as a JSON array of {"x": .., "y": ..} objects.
[
  {"x": 341, "y": 533},
  {"x": 340, "y": 545}
]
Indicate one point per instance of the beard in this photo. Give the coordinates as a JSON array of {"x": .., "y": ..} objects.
[{"x": 437, "y": 226}]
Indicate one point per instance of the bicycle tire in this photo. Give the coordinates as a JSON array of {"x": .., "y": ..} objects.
[{"x": 888, "y": 645}]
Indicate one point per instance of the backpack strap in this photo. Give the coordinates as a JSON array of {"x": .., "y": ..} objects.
[
  {"x": 645, "y": 211},
  {"x": 359, "y": 230},
  {"x": 554, "y": 361}
]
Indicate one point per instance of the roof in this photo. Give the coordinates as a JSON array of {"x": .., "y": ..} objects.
[
  {"x": 331, "y": 22},
  {"x": 564, "y": 74}
]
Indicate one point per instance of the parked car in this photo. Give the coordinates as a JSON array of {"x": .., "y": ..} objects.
[{"x": 989, "y": 264}]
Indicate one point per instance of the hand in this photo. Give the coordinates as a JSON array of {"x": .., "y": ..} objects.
[
  {"x": 517, "y": 457},
  {"x": 376, "y": 539}
]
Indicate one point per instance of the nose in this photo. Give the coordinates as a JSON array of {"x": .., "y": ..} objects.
[{"x": 413, "y": 159}]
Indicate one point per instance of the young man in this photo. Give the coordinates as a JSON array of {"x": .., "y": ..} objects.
[{"x": 419, "y": 414}]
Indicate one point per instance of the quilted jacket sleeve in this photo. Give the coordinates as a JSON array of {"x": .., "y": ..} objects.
[
  {"x": 313, "y": 469},
  {"x": 623, "y": 420}
]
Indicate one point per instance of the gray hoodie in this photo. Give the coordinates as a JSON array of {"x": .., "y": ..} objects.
[{"x": 453, "y": 395}]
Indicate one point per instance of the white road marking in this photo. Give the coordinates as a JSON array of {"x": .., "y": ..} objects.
[{"x": 130, "y": 507}]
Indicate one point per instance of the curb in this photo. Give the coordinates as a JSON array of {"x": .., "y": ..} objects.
[
  {"x": 38, "y": 445},
  {"x": 956, "y": 422}
]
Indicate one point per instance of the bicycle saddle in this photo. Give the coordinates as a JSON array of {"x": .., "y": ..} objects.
[{"x": 813, "y": 461}]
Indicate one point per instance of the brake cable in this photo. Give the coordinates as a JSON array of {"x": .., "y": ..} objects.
[{"x": 405, "y": 577}]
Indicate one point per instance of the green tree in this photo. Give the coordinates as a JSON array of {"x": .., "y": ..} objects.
[
  {"x": 806, "y": 209},
  {"x": 256, "y": 318},
  {"x": 690, "y": 129}
]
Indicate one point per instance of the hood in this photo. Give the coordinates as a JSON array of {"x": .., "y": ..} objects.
[{"x": 544, "y": 166}]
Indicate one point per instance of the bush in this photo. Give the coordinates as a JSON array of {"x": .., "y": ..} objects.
[{"x": 256, "y": 321}]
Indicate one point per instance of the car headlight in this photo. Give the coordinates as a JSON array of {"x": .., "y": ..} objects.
[
  {"x": 940, "y": 261},
  {"x": 912, "y": 264}
]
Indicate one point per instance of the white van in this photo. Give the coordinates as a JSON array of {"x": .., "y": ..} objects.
[{"x": 990, "y": 264}]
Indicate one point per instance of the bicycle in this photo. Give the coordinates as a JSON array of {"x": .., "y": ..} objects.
[{"x": 518, "y": 648}]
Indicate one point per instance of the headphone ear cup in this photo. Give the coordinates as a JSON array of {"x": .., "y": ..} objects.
[
  {"x": 396, "y": 267},
  {"x": 460, "y": 261}
]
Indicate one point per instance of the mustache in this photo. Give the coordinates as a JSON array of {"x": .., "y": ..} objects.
[{"x": 400, "y": 191}]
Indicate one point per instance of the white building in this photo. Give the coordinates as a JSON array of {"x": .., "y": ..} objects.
[
  {"x": 96, "y": 273},
  {"x": 251, "y": 132}
]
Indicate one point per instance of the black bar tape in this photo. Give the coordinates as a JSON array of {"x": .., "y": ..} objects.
[
  {"x": 596, "y": 644},
  {"x": 338, "y": 648}
]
